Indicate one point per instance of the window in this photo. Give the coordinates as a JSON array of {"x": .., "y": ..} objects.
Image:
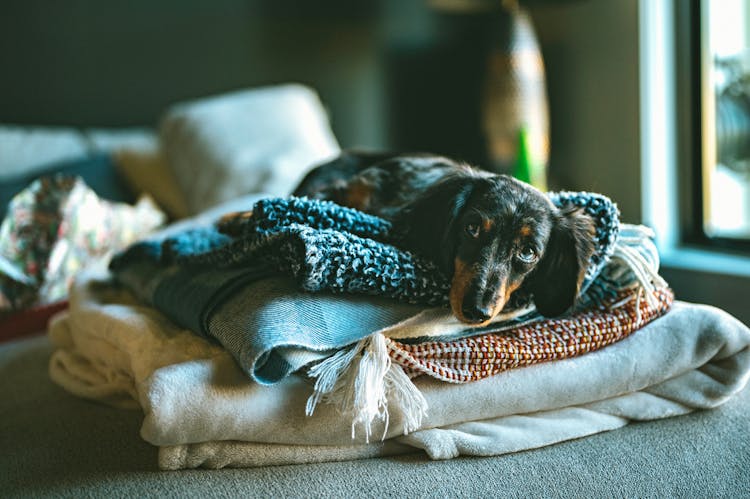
[
  {"x": 723, "y": 73},
  {"x": 694, "y": 132}
]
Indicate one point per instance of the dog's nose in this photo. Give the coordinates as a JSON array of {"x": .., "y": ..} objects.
[{"x": 473, "y": 312}]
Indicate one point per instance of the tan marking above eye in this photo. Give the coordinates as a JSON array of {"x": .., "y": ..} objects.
[
  {"x": 525, "y": 230},
  {"x": 486, "y": 224}
]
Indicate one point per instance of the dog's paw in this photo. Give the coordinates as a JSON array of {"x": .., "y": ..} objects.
[{"x": 233, "y": 224}]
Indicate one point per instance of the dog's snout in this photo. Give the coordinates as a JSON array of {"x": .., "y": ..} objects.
[
  {"x": 476, "y": 313},
  {"x": 477, "y": 296},
  {"x": 483, "y": 300}
]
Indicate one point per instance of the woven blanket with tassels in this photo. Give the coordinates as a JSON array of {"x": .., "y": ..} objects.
[{"x": 485, "y": 355}]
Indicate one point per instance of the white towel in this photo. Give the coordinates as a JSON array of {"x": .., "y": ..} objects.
[
  {"x": 203, "y": 411},
  {"x": 259, "y": 140}
]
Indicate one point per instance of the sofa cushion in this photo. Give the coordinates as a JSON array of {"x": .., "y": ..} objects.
[{"x": 256, "y": 140}]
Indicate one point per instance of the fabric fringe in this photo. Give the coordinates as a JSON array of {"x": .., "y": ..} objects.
[
  {"x": 406, "y": 395},
  {"x": 636, "y": 255},
  {"x": 328, "y": 374},
  {"x": 633, "y": 265},
  {"x": 361, "y": 389}
]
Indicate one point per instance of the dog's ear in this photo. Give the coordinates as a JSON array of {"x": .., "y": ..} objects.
[
  {"x": 427, "y": 224},
  {"x": 558, "y": 276}
]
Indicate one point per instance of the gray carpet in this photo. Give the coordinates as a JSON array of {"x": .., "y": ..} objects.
[{"x": 57, "y": 445}]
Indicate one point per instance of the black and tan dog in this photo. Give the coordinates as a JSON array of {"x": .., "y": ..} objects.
[{"x": 493, "y": 234}]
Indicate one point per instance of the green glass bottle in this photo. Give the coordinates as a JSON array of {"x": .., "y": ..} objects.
[{"x": 525, "y": 168}]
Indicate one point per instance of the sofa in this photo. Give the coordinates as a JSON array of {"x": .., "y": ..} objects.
[{"x": 57, "y": 444}]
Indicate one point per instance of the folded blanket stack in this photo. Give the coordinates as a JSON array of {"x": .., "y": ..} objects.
[
  {"x": 307, "y": 286},
  {"x": 202, "y": 411},
  {"x": 327, "y": 247}
]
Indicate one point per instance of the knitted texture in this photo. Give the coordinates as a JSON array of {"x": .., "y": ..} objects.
[
  {"x": 606, "y": 230},
  {"x": 325, "y": 246},
  {"x": 268, "y": 215},
  {"x": 478, "y": 357}
]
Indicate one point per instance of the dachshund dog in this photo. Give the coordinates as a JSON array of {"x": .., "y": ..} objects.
[{"x": 493, "y": 234}]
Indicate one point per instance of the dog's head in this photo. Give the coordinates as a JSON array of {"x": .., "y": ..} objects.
[{"x": 496, "y": 235}]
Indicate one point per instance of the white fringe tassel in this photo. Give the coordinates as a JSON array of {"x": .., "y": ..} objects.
[
  {"x": 362, "y": 389},
  {"x": 638, "y": 254},
  {"x": 328, "y": 373}
]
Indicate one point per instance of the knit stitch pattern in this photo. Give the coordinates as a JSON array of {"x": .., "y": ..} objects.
[
  {"x": 325, "y": 246},
  {"x": 607, "y": 225}
]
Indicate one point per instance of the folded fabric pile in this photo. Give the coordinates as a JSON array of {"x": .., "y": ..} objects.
[
  {"x": 201, "y": 409},
  {"x": 327, "y": 247},
  {"x": 332, "y": 312}
]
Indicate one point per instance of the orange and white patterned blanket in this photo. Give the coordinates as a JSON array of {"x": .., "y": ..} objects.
[{"x": 482, "y": 356}]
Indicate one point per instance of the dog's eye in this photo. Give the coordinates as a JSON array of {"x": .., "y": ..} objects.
[
  {"x": 472, "y": 229},
  {"x": 527, "y": 255}
]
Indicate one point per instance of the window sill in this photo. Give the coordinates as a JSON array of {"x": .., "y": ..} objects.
[
  {"x": 702, "y": 260},
  {"x": 703, "y": 276}
]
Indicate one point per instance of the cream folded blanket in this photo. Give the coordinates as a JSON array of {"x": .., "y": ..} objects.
[{"x": 202, "y": 410}]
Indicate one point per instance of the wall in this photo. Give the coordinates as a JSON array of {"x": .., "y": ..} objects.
[
  {"x": 89, "y": 62},
  {"x": 394, "y": 73},
  {"x": 591, "y": 54}
]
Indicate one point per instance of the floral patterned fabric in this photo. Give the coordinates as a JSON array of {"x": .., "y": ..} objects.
[{"x": 54, "y": 228}]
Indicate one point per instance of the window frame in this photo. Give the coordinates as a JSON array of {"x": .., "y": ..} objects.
[
  {"x": 672, "y": 115},
  {"x": 698, "y": 141}
]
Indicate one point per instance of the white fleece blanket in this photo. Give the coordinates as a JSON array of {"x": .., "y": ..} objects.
[{"x": 201, "y": 410}]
